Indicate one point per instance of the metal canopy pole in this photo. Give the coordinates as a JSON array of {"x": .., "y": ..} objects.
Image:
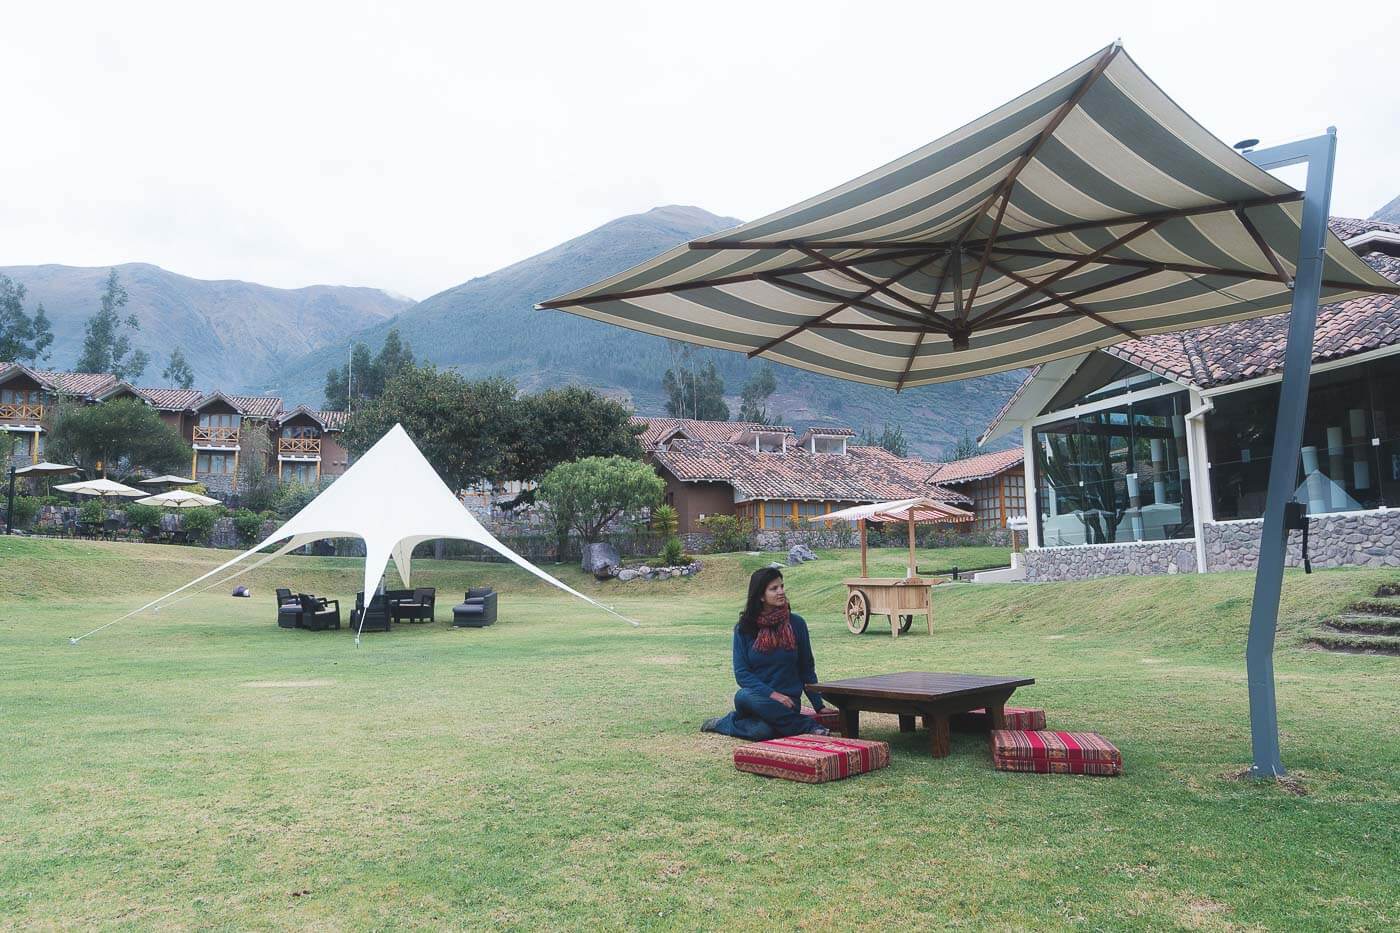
[{"x": 1319, "y": 153}]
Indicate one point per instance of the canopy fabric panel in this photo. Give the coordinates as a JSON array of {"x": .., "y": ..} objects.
[
  {"x": 1086, "y": 211},
  {"x": 901, "y": 510}
]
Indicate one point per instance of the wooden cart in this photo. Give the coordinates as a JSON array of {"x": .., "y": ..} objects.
[{"x": 898, "y": 598}]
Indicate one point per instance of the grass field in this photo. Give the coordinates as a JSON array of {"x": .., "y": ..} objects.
[{"x": 204, "y": 768}]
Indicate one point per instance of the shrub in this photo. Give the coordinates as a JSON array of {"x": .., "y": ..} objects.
[
  {"x": 197, "y": 523},
  {"x": 727, "y": 533},
  {"x": 26, "y": 507},
  {"x": 198, "y": 489},
  {"x": 92, "y": 510},
  {"x": 248, "y": 524},
  {"x": 144, "y": 517},
  {"x": 665, "y": 520},
  {"x": 293, "y": 497},
  {"x": 673, "y": 553}
]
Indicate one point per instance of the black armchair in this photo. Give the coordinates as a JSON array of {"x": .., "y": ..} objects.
[
  {"x": 288, "y": 609},
  {"x": 375, "y": 618},
  {"x": 477, "y": 609},
  {"x": 319, "y": 614},
  {"x": 417, "y": 608}
]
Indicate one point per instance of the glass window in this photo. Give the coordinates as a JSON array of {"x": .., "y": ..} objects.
[
  {"x": 1115, "y": 475},
  {"x": 219, "y": 420},
  {"x": 299, "y": 472},
  {"x": 219, "y": 463}
]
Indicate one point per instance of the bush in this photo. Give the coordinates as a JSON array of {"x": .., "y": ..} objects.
[
  {"x": 293, "y": 497},
  {"x": 198, "y": 489},
  {"x": 197, "y": 523},
  {"x": 92, "y": 510},
  {"x": 26, "y": 507},
  {"x": 248, "y": 524},
  {"x": 727, "y": 533},
  {"x": 144, "y": 517},
  {"x": 673, "y": 553},
  {"x": 665, "y": 520}
]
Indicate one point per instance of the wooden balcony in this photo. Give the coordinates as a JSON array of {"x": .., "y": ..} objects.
[
  {"x": 300, "y": 447},
  {"x": 215, "y": 437},
  {"x": 22, "y": 412}
]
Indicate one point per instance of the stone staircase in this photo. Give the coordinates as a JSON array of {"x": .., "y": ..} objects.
[{"x": 1368, "y": 626}]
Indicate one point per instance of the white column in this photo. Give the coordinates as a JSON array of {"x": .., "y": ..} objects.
[{"x": 1032, "y": 488}]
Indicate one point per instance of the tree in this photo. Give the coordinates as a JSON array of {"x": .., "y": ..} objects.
[
  {"x": 178, "y": 371},
  {"x": 106, "y": 348},
  {"x": 753, "y": 398},
  {"x": 464, "y": 428},
  {"x": 695, "y": 393},
  {"x": 364, "y": 376},
  {"x": 21, "y": 337},
  {"x": 122, "y": 435},
  {"x": 890, "y": 438},
  {"x": 558, "y": 425},
  {"x": 964, "y": 448},
  {"x": 586, "y": 495}
]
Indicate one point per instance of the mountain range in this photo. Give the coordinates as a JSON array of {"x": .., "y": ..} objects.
[
  {"x": 488, "y": 326},
  {"x": 233, "y": 333}
]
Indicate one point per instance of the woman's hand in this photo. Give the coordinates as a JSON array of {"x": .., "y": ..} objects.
[{"x": 782, "y": 698}]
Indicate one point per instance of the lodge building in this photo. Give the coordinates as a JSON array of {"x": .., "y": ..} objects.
[{"x": 301, "y": 445}]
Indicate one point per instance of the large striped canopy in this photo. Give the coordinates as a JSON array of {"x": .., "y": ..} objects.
[{"x": 1087, "y": 211}]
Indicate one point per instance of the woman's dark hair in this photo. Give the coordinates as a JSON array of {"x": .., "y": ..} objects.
[{"x": 758, "y": 584}]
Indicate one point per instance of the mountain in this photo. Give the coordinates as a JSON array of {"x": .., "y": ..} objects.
[
  {"x": 1390, "y": 213},
  {"x": 233, "y": 333},
  {"x": 488, "y": 326}
]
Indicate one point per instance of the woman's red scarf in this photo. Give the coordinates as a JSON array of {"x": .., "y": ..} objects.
[{"x": 775, "y": 629}]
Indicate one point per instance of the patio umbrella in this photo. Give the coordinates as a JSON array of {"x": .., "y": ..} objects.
[
  {"x": 1087, "y": 210},
  {"x": 167, "y": 478},
  {"x": 908, "y": 511},
  {"x": 103, "y": 489},
  {"x": 178, "y": 499},
  {"x": 43, "y": 468}
]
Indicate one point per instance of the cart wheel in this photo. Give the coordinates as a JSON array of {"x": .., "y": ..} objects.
[
  {"x": 857, "y": 612},
  {"x": 904, "y": 623}
]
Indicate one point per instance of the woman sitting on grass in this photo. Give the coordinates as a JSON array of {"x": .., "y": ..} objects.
[{"x": 773, "y": 664}]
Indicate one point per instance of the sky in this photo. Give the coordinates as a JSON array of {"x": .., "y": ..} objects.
[{"x": 412, "y": 146}]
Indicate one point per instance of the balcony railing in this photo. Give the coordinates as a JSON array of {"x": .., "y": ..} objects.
[
  {"x": 215, "y": 437},
  {"x": 299, "y": 446},
  {"x": 21, "y": 411}
]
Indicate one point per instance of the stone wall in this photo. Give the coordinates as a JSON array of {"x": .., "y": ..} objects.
[
  {"x": 1352, "y": 539},
  {"x": 1082, "y": 562}
]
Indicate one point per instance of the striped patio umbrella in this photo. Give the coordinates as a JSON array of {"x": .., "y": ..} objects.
[{"x": 1086, "y": 211}]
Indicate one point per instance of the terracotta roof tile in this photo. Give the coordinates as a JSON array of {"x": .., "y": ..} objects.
[
  {"x": 76, "y": 383},
  {"x": 171, "y": 399},
  {"x": 258, "y": 406},
  {"x": 658, "y": 428},
  {"x": 862, "y": 476},
  {"x": 333, "y": 420},
  {"x": 979, "y": 467}
]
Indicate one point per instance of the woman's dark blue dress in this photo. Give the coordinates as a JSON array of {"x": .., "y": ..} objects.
[{"x": 757, "y": 716}]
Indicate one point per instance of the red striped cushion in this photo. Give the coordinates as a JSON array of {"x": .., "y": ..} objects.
[
  {"x": 831, "y": 718},
  {"x": 979, "y": 720},
  {"x": 1054, "y": 752},
  {"x": 812, "y": 759}
]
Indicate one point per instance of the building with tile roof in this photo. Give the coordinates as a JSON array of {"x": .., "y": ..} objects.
[
  {"x": 994, "y": 482},
  {"x": 765, "y": 475},
  {"x": 1163, "y": 442},
  {"x": 223, "y": 431}
]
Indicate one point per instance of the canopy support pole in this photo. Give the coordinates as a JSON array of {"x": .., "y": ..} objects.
[
  {"x": 863, "y": 571},
  {"x": 912, "y": 559},
  {"x": 1319, "y": 153}
]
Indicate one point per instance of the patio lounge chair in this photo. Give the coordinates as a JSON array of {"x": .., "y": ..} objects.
[
  {"x": 376, "y": 617},
  {"x": 318, "y": 614},
  {"x": 417, "y": 608},
  {"x": 288, "y": 609},
  {"x": 477, "y": 609}
]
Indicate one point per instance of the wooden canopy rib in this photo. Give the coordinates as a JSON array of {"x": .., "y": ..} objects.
[
  {"x": 837, "y": 265},
  {"x": 1065, "y": 300},
  {"x": 1264, "y": 247},
  {"x": 859, "y": 302},
  {"x": 1017, "y": 314},
  {"x": 909, "y": 363}
]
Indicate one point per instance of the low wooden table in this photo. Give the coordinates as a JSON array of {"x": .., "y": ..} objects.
[{"x": 913, "y": 693}]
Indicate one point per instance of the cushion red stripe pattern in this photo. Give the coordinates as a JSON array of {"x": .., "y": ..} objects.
[
  {"x": 979, "y": 720},
  {"x": 1054, "y": 752},
  {"x": 812, "y": 759},
  {"x": 831, "y": 718}
]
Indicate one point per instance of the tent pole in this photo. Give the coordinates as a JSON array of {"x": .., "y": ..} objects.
[{"x": 1318, "y": 153}]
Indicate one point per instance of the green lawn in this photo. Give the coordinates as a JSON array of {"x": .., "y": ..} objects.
[{"x": 202, "y": 767}]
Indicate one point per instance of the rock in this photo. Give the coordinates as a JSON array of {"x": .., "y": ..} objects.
[
  {"x": 776, "y": 566},
  {"x": 601, "y": 560},
  {"x": 626, "y": 576},
  {"x": 799, "y": 553}
]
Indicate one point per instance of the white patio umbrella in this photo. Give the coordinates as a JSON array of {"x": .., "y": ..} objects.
[
  {"x": 43, "y": 468},
  {"x": 167, "y": 478},
  {"x": 178, "y": 499},
  {"x": 103, "y": 489}
]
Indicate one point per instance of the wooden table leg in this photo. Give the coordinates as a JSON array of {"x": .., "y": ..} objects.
[
  {"x": 906, "y": 722},
  {"x": 938, "y": 735},
  {"x": 997, "y": 712},
  {"x": 894, "y": 624},
  {"x": 850, "y": 723}
]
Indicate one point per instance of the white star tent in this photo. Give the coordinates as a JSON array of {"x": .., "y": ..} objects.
[{"x": 393, "y": 500}]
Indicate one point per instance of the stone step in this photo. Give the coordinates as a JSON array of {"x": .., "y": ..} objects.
[
  {"x": 1356, "y": 644},
  {"x": 1378, "y": 606},
  {"x": 1362, "y": 624}
]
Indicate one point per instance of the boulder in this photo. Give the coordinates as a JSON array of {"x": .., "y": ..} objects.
[
  {"x": 626, "y": 576},
  {"x": 601, "y": 560},
  {"x": 799, "y": 553}
]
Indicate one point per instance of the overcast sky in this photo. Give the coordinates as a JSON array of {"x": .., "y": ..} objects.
[{"x": 412, "y": 146}]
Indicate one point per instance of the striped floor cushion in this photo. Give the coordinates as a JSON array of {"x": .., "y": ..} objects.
[
  {"x": 812, "y": 759},
  {"x": 1054, "y": 752},
  {"x": 829, "y": 717},
  {"x": 979, "y": 720}
]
